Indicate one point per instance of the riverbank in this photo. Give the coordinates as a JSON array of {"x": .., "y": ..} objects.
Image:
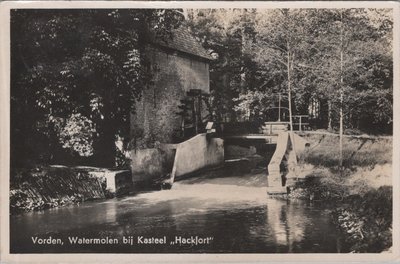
[
  {"x": 46, "y": 187},
  {"x": 361, "y": 192}
]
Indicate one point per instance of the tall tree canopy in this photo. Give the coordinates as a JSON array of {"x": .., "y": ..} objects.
[
  {"x": 303, "y": 45},
  {"x": 226, "y": 33},
  {"x": 76, "y": 75}
]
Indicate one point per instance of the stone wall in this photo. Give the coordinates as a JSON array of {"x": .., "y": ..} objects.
[
  {"x": 197, "y": 153},
  {"x": 156, "y": 118}
]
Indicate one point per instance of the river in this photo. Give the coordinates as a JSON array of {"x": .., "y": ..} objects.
[{"x": 227, "y": 214}]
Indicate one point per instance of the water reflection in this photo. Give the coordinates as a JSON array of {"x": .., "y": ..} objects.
[{"x": 240, "y": 218}]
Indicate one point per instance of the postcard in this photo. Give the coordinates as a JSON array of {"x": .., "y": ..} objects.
[{"x": 199, "y": 131}]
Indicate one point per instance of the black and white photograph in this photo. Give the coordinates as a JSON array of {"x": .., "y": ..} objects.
[{"x": 201, "y": 129}]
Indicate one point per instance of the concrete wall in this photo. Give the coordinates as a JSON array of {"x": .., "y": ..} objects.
[
  {"x": 156, "y": 117},
  {"x": 299, "y": 143},
  {"x": 274, "y": 166},
  {"x": 284, "y": 161},
  {"x": 176, "y": 160},
  {"x": 118, "y": 182},
  {"x": 150, "y": 164},
  {"x": 197, "y": 153}
]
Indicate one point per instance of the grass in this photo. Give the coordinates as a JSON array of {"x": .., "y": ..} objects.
[{"x": 357, "y": 152}]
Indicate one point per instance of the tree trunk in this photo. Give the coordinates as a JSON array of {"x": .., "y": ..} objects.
[
  {"x": 290, "y": 97},
  {"x": 289, "y": 89},
  {"x": 341, "y": 93},
  {"x": 104, "y": 149},
  {"x": 242, "y": 51},
  {"x": 329, "y": 115}
]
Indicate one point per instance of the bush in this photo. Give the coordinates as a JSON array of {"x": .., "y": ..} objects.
[{"x": 366, "y": 220}]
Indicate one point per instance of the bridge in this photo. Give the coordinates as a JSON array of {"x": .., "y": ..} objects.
[{"x": 281, "y": 168}]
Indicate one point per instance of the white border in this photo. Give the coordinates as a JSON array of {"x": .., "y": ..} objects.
[{"x": 139, "y": 258}]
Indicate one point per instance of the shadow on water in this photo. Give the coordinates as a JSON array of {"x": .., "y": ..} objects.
[{"x": 234, "y": 210}]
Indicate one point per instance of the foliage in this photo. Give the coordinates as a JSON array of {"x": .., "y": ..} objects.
[
  {"x": 89, "y": 63},
  {"x": 367, "y": 220},
  {"x": 93, "y": 63},
  {"x": 316, "y": 50},
  {"x": 19, "y": 202},
  {"x": 255, "y": 49},
  {"x": 226, "y": 33},
  {"x": 253, "y": 103},
  {"x": 77, "y": 134},
  {"x": 367, "y": 66}
]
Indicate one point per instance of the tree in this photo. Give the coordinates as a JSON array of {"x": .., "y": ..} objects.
[
  {"x": 227, "y": 34},
  {"x": 303, "y": 45},
  {"x": 367, "y": 67},
  {"x": 79, "y": 67},
  {"x": 354, "y": 45},
  {"x": 315, "y": 64}
]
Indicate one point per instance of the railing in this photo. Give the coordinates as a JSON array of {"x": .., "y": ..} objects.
[
  {"x": 301, "y": 123},
  {"x": 253, "y": 125}
]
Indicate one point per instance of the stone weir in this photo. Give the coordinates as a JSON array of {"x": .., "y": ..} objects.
[
  {"x": 167, "y": 163},
  {"x": 170, "y": 162},
  {"x": 283, "y": 164}
]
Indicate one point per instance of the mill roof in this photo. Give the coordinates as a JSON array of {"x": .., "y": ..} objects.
[{"x": 182, "y": 40}]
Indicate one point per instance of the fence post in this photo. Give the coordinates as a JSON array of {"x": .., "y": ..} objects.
[{"x": 300, "y": 124}]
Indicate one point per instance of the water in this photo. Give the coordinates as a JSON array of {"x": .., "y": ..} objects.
[{"x": 233, "y": 212}]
